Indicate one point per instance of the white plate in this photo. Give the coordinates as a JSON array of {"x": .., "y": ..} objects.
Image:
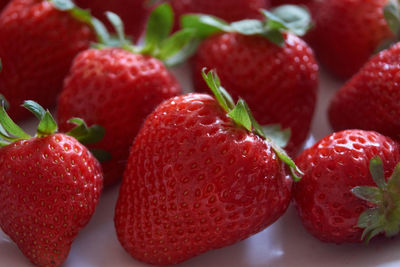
[{"x": 285, "y": 243}]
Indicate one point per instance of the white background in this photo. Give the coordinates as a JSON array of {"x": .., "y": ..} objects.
[{"x": 285, "y": 243}]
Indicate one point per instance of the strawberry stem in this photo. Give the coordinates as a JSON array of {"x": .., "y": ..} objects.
[{"x": 242, "y": 116}]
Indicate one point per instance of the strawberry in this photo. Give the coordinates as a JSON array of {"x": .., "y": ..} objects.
[
  {"x": 39, "y": 39},
  {"x": 133, "y": 12},
  {"x": 201, "y": 175},
  {"x": 49, "y": 186},
  {"x": 370, "y": 100},
  {"x": 347, "y": 32},
  {"x": 229, "y": 10},
  {"x": 273, "y": 70},
  {"x": 341, "y": 164},
  {"x": 105, "y": 83}
]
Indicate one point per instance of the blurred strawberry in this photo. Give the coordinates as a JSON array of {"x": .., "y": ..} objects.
[
  {"x": 347, "y": 32},
  {"x": 117, "y": 87},
  {"x": 39, "y": 39}
]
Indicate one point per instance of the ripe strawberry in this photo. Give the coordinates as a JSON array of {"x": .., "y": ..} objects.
[
  {"x": 133, "y": 12},
  {"x": 279, "y": 81},
  {"x": 197, "y": 180},
  {"x": 347, "y": 32},
  {"x": 229, "y": 10},
  {"x": 117, "y": 88},
  {"x": 332, "y": 168},
  {"x": 370, "y": 100},
  {"x": 38, "y": 43},
  {"x": 49, "y": 187}
]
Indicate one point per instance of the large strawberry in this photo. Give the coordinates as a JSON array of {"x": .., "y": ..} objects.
[
  {"x": 341, "y": 164},
  {"x": 38, "y": 40},
  {"x": 134, "y": 13},
  {"x": 49, "y": 186},
  {"x": 117, "y": 87},
  {"x": 347, "y": 32},
  {"x": 201, "y": 175},
  {"x": 273, "y": 70},
  {"x": 229, "y": 10},
  {"x": 370, "y": 100}
]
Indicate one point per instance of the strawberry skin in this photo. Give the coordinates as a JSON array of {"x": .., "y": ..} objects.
[
  {"x": 49, "y": 188},
  {"x": 194, "y": 182},
  {"x": 347, "y": 32},
  {"x": 117, "y": 90},
  {"x": 134, "y": 13},
  {"x": 291, "y": 2},
  {"x": 37, "y": 46},
  {"x": 370, "y": 100},
  {"x": 332, "y": 167},
  {"x": 229, "y": 10},
  {"x": 279, "y": 83}
]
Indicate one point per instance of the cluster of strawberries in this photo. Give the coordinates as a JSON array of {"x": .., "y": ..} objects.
[{"x": 199, "y": 172}]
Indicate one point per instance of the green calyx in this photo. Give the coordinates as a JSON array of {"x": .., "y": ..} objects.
[
  {"x": 171, "y": 49},
  {"x": 385, "y": 216},
  {"x": 11, "y": 132},
  {"x": 286, "y": 18},
  {"x": 83, "y": 16},
  {"x": 391, "y": 13},
  {"x": 240, "y": 113}
]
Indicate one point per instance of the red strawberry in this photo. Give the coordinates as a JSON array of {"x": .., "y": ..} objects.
[
  {"x": 117, "y": 89},
  {"x": 229, "y": 10},
  {"x": 133, "y": 12},
  {"x": 278, "y": 81},
  {"x": 37, "y": 45},
  {"x": 332, "y": 168},
  {"x": 347, "y": 32},
  {"x": 370, "y": 100},
  {"x": 49, "y": 187},
  {"x": 197, "y": 180}
]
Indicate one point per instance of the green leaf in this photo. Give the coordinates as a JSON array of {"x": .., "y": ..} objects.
[
  {"x": 377, "y": 173},
  {"x": 10, "y": 127},
  {"x": 284, "y": 157},
  {"x": 63, "y": 5},
  {"x": 277, "y": 134},
  {"x": 159, "y": 27},
  {"x": 118, "y": 25},
  {"x": 392, "y": 16},
  {"x": 84, "y": 134},
  {"x": 275, "y": 37},
  {"x": 369, "y": 193},
  {"x": 35, "y": 108},
  {"x": 394, "y": 181},
  {"x": 101, "y": 155},
  {"x": 248, "y": 27},
  {"x": 102, "y": 34},
  {"x": 175, "y": 43},
  {"x": 240, "y": 115},
  {"x": 4, "y": 102},
  {"x": 185, "y": 53},
  {"x": 47, "y": 125},
  {"x": 204, "y": 25},
  {"x": 293, "y": 18},
  {"x": 213, "y": 82}
]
